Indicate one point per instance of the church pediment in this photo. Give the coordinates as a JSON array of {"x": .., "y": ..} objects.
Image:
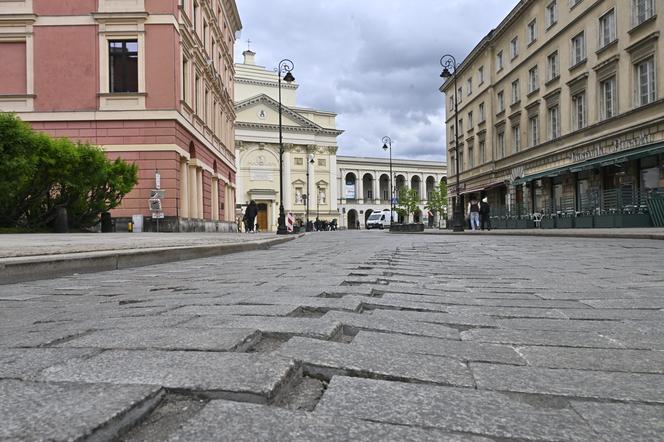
[{"x": 263, "y": 110}]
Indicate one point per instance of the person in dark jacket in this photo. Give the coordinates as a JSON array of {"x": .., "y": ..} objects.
[
  {"x": 474, "y": 214},
  {"x": 252, "y": 211},
  {"x": 485, "y": 213}
]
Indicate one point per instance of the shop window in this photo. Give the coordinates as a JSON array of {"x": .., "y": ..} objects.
[{"x": 123, "y": 66}]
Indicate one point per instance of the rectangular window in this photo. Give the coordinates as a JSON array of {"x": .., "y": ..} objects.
[
  {"x": 470, "y": 120},
  {"x": 480, "y": 75},
  {"x": 642, "y": 10},
  {"x": 553, "y": 66},
  {"x": 123, "y": 66},
  {"x": 197, "y": 94},
  {"x": 533, "y": 80},
  {"x": 607, "y": 28},
  {"x": 607, "y": 90},
  {"x": 499, "y": 61},
  {"x": 482, "y": 113},
  {"x": 516, "y": 138},
  {"x": 579, "y": 111},
  {"x": 533, "y": 129},
  {"x": 554, "y": 122},
  {"x": 578, "y": 48},
  {"x": 185, "y": 81},
  {"x": 461, "y": 125},
  {"x": 573, "y": 3},
  {"x": 551, "y": 14},
  {"x": 516, "y": 92},
  {"x": 206, "y": 103},
  {"x": 532, "y": 31},
  {"x": 482, "y": 152},
  {"x": 195, "y": 16},
  {"x": 460, "y": 94},
  {"x": 471, "y": 156},
  {"x": 514, "y": 48},
  {"x": 461, "y": 160},
  {"x": 645, "y": 81},
  {"x": 501, "y": 101},
  {"x": 469, "y": 86},
  {"x": 452, "y": 104},
  {"x": 500, "y": 145}
]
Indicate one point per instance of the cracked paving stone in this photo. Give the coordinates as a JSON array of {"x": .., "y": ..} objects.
[
  {"x": 37, "y": 338},
  {"x": 354, "y": 322},
  {"x": 43, "y": 411},
  {"x": 22, "y": 363},
  {"x": 462, "y": 350},
  {"x": 397, "y": 304},
  {"x": 327, "y": 359},
  {"x": 623, "y": 422},
  {"x": 236, "y": 376},
  {"x": 632, "y": 387},
  {"x": 175, "y": 338},
  {"x": 636, "y": 361},
  {"x": 238, "y": 422},
  {"x": 435, "y": 318},
  {"x": 308, "y": 327},
  {"x": 508, "y": 312},
  {"x": 349, "y": 303},
  {"x": 236, "y": 310},
  {"x": 540, "y": 337},
  {"x": 557, "y": 324},
  {"x": 453, "y": 409}
]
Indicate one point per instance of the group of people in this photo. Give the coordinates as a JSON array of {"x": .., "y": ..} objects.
[
  {"x": 249, "y": 218},
  {"x": 478, "y": 214}
]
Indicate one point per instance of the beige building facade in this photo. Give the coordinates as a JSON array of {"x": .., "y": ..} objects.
[
  {"x": 561, "y": 110},
  {"x": 310, "y": 147},
  {"x": 364, "y": 187}
]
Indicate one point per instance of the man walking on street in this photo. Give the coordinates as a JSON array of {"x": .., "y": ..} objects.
[
  {"x": 252, "y": 211},
  {"x": 485, "y": 212}
]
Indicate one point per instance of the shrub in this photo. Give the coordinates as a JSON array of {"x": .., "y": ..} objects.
[{"x": 38, "y": 174}]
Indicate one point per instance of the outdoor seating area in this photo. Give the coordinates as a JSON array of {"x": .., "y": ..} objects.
[{"x": 612, "y": 208}]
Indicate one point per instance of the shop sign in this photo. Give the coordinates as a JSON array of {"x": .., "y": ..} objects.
[{"x": 618, "y": 145}]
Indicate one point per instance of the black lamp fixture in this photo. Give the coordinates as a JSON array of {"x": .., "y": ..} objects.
[
  {"x": 286, "y": 66},
  {"x": 387, "y": 145},
  {"x": 448, "y": 62}
]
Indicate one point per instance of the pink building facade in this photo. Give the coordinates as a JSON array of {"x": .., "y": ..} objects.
[{"x": 150, "y": 81}]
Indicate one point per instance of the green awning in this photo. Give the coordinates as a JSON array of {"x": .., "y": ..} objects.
[{"x": 603, "y": 161}]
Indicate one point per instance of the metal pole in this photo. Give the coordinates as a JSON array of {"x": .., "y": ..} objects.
[
  {"x": 284, "y": 65},
  {"x": 307, "y": 197}
]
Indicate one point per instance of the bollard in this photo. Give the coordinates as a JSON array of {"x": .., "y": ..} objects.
[
  {"x": 130, "y": 227},
  {"x": 61, "y": 221}
]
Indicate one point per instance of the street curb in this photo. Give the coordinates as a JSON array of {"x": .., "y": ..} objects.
[
  {"x": 23, "y": 269},
  {"x": 547, "y": 234}
]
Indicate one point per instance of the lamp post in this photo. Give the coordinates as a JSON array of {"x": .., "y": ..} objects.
[
  {"x": 317, "y": 201},
  {"x": 285, "y": 66},
  {"x": 387, "y": 144},
  {"x": 309, "y": 162},
  {"x": 449, "y": 62}
]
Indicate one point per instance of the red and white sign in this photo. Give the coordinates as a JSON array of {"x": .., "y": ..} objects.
[{"x": 290, "y": 221}]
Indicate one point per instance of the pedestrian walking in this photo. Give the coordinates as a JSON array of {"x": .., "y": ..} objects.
[
  {"x": 485, "y": 214},
  {"x": 252, "y": 211},
  {"x": 474, "y": 214}
]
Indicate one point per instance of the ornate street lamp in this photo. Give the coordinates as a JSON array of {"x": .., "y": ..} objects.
[
  {"x": 448, "y": 63},
  {"x": 285, "y": 66},
  {"x": 387, "y": 144},
  {"x": 310, "y": 162}
]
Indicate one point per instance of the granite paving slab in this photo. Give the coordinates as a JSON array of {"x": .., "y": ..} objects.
[
  {"x": 510, "y": 312},
  {"x": 398, "y": 304},
  {"x": 540, "y": 337},
  {"x": 633, "y": 387},
  {"x": 237, "y": 376},
  {"x": 462, "y": 350},
  {"x": 23, "y": 363},
  {"x": 46, "y": 412},
  {"x": 354, "y": 322},
  {"x": 327, "y": 359},
  {"x": 174, "y": 338},
  {"x": 654, "y": 303},
  {"x": 321, "y": 304},
  {"x": 634, "y": 361},
  {"x": 37, "y": 338},
  {"x": 436, "y": 318},
  {"x": 236, "y": 310},
  {"x": 321, "y": 328},
  {"x": 558, "y": 324},
  {"x": 238, "y": 422},
  {"x": 452, "y": 409},
  {"x": 623, "y": 422}
]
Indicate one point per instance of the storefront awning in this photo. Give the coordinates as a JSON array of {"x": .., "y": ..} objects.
[{"x": 603, "y": 161}]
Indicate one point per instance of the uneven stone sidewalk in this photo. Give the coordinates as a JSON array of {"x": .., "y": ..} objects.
[
  {"x": 346, "y": 336},
  {"x": 656, "y": 233}
]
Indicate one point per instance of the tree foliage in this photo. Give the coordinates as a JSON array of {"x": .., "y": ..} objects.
[
  {"x": 408, "y": 200},
  {"x": 438, "y": 200},
  {"x": 38, "y": 174}
]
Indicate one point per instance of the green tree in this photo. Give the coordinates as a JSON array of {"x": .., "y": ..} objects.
[
  {"x": 438, "y": 200},
  {"x": 38, "y": 174},
  {"x": 408, "y": 200}
]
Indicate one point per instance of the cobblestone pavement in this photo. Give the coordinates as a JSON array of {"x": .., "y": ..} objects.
[{"x": 346, "y": 336}]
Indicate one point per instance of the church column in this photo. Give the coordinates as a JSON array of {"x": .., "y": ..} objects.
[
  {"x": 334, "y": 184},
  {"x": 423, "y": 189},
  {"x": 359, "y": 187},
  {"x": 288, "y": 204},
  {"x": 376, "y": 188},
  {"x": 184, "y": 188},
  {"x": 193, "y": 193},
  {"x": 199, "y": 185}
]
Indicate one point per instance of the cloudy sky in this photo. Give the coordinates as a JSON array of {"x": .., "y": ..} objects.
[{"x": 374, "y": 62}]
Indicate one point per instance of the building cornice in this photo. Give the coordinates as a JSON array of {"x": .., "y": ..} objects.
[
  {"x": 241, "y": 80},
  {"x": 295, "y": 129}
]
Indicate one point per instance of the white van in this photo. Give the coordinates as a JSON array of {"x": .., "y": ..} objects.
[{"x": 379, "y": 220}]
